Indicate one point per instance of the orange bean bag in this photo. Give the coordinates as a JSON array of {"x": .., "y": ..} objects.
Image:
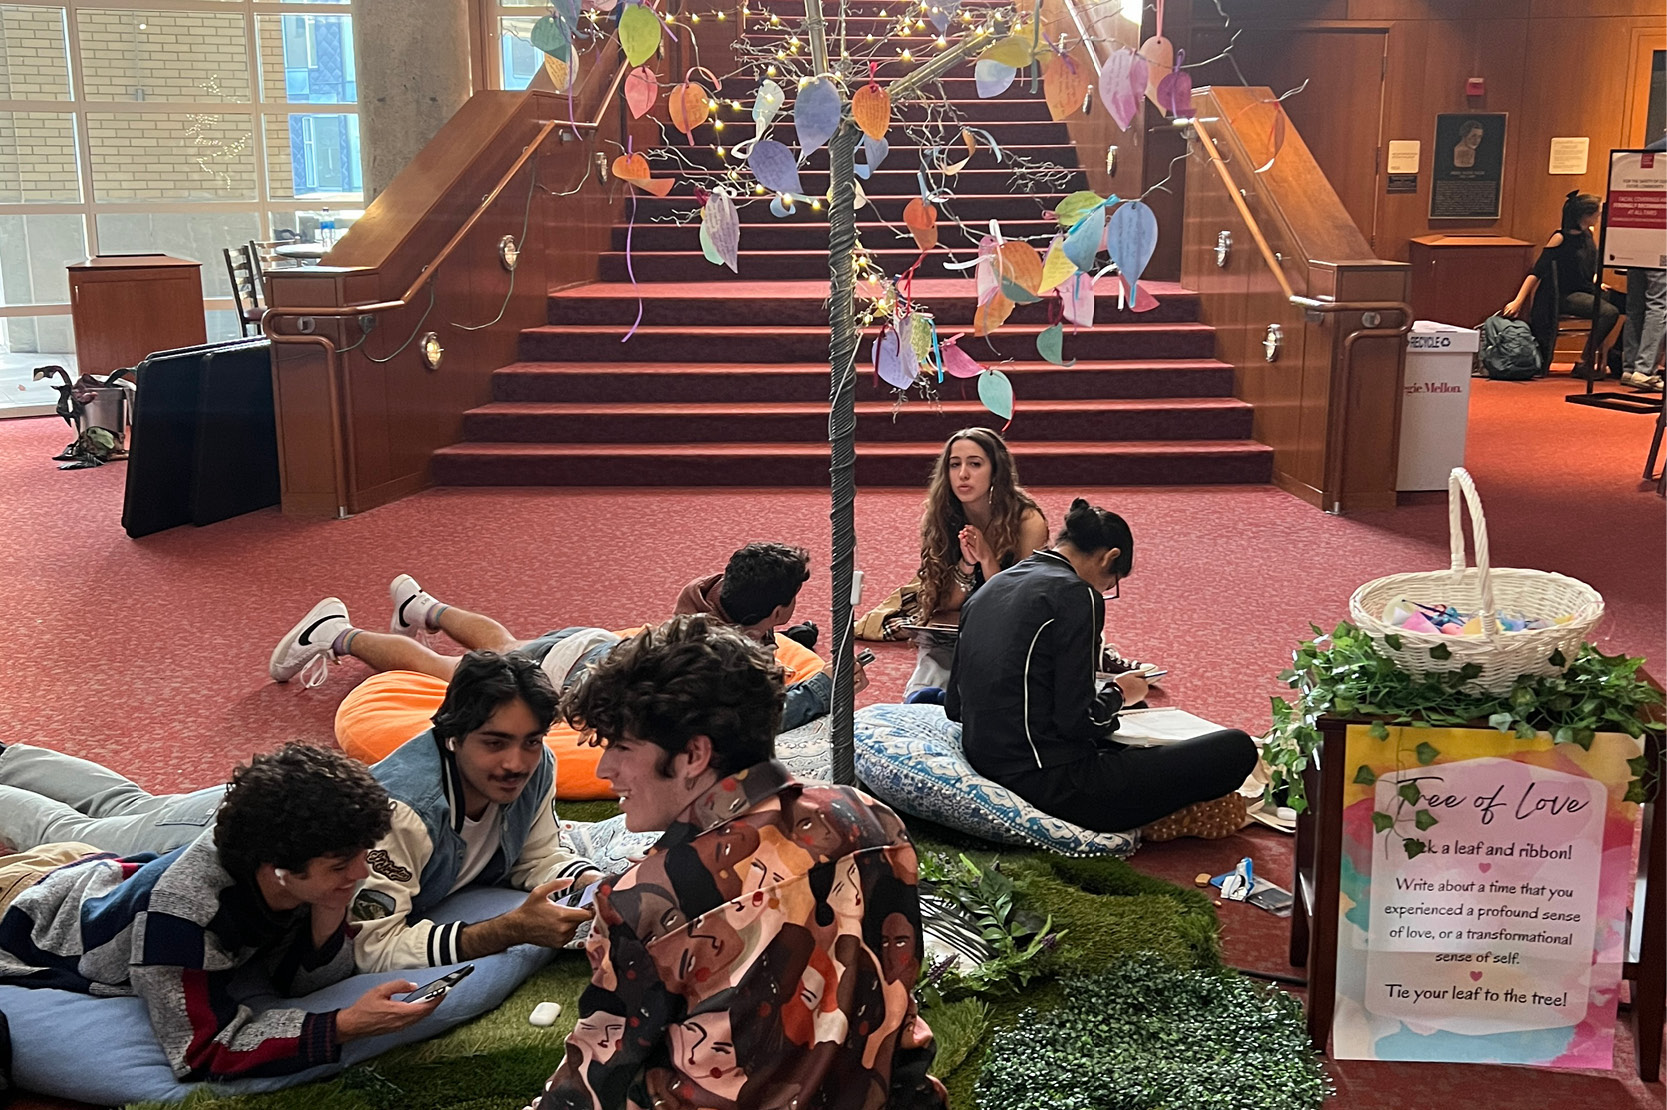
[{"x": 387, "y": 709}]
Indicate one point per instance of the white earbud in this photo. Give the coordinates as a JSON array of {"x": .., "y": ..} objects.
[
  {"x": 281, "y": 875},
  {"x": 451, "y": 744}
]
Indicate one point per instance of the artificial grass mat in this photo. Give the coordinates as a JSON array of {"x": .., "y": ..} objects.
[{"x": 1179, "y": 1008}]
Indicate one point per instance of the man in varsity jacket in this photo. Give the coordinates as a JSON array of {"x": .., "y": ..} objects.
[
  {"x": 473, "y": 803},
  {"x": 270, "y": 884}
]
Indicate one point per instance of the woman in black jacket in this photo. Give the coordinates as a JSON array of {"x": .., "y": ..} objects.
[
  {"x": 1564, "y": 283},
  {"x": 1023, "y": 687}
]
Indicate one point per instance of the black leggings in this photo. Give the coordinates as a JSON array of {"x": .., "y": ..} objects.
[
  {"x": 1121, "y": 788},
  {"x": 1586, "y": 304}
]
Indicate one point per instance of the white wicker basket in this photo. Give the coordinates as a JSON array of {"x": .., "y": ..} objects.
[{"x": 1483, "y": 590}]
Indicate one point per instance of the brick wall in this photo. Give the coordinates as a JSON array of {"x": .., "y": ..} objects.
[
  {"x": 33, "y": 65},
  {"x": 178, "y": 156},
  {"x": 196, "y": 56},
  {"x": 37, "y": 158}
]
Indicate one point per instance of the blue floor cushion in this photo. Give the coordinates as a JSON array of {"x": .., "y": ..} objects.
[
  {"x": 102, "y": 1050},
  {"x": 909, "y": 756}
]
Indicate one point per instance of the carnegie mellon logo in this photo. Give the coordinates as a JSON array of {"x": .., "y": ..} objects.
[{"x": 383, "y": 864}]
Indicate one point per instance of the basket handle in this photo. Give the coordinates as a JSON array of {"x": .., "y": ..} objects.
[{"x": 1461, "y": 490}]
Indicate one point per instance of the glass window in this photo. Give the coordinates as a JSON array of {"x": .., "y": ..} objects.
[
  {"x": 223, "y": 324},
  {"x": 139, "y": 55},
  {"x": 174, "y": 156},
  {"x": 38, "y": 158},
  {"x": 313, "y": 156},
  {"x": 521, "y": 59},
  {"x": 201, "y": 236},
  {"x": 307, "y": 59},
  {"x": 33, "y": 253},
  {"x": 34, "y": 55},
  {"x": 302, "y": 224},
  {"x": 25, "y": 343}
]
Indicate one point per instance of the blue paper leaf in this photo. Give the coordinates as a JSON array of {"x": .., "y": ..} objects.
[
  {"x": 567, "y": 14},
  {"x": 874, "y": 152},
  {"x": 895, "y": 360},
  {"x": 1131, "y": 237},
  {"x": 1050, "y": 344},
  {"x": 815, "y": 115},
  {"x": 721, "y": 226},
  {"x": 708, "y": 248},
  {"x": 767, "y": 103},
  {"x": 992, "y": 78},
  {"x": 1082, "y": 245},
  {"x": 943, "y": 13},
  {"x": 996, "y": 392},
  {"x": 773, "y": 165}
]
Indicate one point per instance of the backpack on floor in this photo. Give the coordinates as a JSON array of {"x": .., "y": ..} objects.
[{"x": 1509, "y": 352}]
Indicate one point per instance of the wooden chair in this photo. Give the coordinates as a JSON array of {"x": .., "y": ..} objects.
[{"x": 242, "y": 267}]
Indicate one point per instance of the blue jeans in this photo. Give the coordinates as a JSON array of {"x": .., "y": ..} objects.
[
  {"x": 47, "y": 797},
  {"x": 1646, "y": 320}
]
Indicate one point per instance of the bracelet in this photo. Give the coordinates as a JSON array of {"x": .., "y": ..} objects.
[{"x": 963, "y": 578}]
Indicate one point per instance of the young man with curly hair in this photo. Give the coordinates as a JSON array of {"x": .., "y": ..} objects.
[
  {"x": 272, "y": 884},
  {"x": 764, "y": 953},
  {"x": 473, "y": 802}
]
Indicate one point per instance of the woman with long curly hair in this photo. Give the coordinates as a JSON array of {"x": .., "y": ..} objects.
[{"x": 978, "y": 521}]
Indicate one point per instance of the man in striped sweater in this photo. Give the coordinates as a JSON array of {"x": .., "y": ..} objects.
[{"x": 270, "y": 883}]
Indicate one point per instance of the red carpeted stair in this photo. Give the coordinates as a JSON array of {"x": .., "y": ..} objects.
[{"x": 728, "y": 373}]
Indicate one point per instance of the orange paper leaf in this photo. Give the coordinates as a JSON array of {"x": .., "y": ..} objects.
[
  {"x": 561, "y": 73},
  {"x": 1066, "y": 86},
  {"x": 633, "y": 170},
  {"x": 871, "y": 108},
  {"x": 1159, "y": 53},
  {"x": 1019, "y": 263},
  {"x": 922, "y": 221},
  {"x": 689, "y": 107},
  {"x": 991, "y": 315}
]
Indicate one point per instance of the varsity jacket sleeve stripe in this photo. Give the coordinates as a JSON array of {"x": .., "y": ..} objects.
[
  {"x": 543, "y": 854},
  {"x": 388, "y": 940},
  {"x": 207, "y": 1035}
]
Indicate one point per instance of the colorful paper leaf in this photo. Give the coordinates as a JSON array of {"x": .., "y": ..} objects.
[
  {"x": 1159, "y": 53},
  {"x": 992, "y": 78},
  {"x": 766, "y": 104},
  {"x": 690, "y": 106},
  {"x": 642, "y": 89},
  {"x": 991, "y": 314},
  {"x": 1123, "y": 85},
  {"x": 1076, "y": 206},
  {"x": 957, "y": 363},
  {"x": 1018, "y": 262},
  {"x": 922, "y": 333},
  {"x": 633, "y": 170},
  {"x": 942, "y": 13},
  {"x": 871, "y": 109},
  {"x": 1131, "y": 236},
  {"x": 639, "y": 33},
  {"x": 1015, "y": 51},
  {"x": 874, "y": 152},
  {"x": 815, "y": 115},
  {"x": 1142, "y": 299},
  {"x": 773, "y": 165},
  {"x": 709, "y": 248},
  {"x": 1175, "y": 90},
  {"x": 562, "y": 73},
  {"x": 1056, "y": 267},
  {"x": 1076, "y": 299},
  {"x": 1017, "y": 293},
  {"x": 1065, "y": 85},
  {"x": 1082, "y": 243},
  {"x": 996, "y": 392},
  {"x": 1050, "y": 344},
  {"x": 550, "y": 36},
  {"x": 921, "y": 219},
  {"x": 894, "y": 360},
  {"x": 721, "y": 225}
]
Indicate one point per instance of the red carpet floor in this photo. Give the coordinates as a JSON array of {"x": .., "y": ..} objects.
[{"x": 150, "y": 655}]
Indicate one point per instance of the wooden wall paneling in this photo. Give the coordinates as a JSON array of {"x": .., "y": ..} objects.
[
  {"x": 1647, "y": 39},
  {"x": 1372, "y": 405}
]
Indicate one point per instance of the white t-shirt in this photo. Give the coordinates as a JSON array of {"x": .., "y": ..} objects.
[{"x": 480, "y": 840}]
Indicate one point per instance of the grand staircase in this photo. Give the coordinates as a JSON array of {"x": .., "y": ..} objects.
[{"x": 726, "y": 380}]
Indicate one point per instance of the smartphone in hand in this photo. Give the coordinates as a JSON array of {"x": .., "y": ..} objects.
[
  {"x": 577, "y": 898},
  {"x": 428, "y": 992}
]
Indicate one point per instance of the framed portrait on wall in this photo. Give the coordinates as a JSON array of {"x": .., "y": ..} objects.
[{"x": 1468, "y": 166}]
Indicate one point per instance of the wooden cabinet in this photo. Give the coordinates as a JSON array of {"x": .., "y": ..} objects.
[
  {"x": 127, "y": 306},
  {"x": 1464, "y": 279}
]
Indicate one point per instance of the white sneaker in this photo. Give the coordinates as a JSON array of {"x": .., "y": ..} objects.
[
  {"x": 1648, "y": 383},
  {"x": 306, "y": 647},
  {"x": 411, "y": 608}
]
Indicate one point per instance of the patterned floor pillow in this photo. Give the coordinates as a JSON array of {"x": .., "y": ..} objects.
[{"x": 909, "y": 756}]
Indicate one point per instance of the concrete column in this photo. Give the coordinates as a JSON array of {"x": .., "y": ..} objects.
[{"x": 413, "y": 74}]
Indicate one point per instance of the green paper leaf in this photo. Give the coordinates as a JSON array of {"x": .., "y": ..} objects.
[
  {"x": 1441, "y": 651},
  {"x": 1426, "y": 753},
  {"x": 1408, "y": 793},
  {"x": 1017, "y": 293},
  {"x": 1050, "y": 344},
  {"x": 1424, "y": 819},
  {"x": 639, "y": 33},
  {"x": 709, "y": 249},
  {"x": 550, "y": 36},
  {"x": 996, "y": 392},
  {"x": 1074, "y": 207},
  {"x": 1382, "y": 822},
  {"x": 1364, "y": 776},
  {"x": 1378, "y": 731},
  {"x": 1414, "y": 848}
]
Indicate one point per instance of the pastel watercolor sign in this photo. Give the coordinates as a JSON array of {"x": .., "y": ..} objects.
[{"x": 1485, "y": 882}]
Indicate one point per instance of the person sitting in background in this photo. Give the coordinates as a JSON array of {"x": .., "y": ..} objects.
[
  {"x": 272, "y": 883},
  {"x": 766, "y": 574},
  {"x": 1023, "y": 686},
  {"x": 1564, "y": 283},
  {"x": 978, "y": 521},
  {"x": 765, "y": 951},
  {"x": 473, "y": 803}
]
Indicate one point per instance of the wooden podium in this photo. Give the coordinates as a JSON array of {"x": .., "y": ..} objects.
[{"x": 125, "y": 306}]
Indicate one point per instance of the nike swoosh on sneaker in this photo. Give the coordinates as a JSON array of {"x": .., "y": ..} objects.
[
  {"x": 400, "y": 615},
  {"x": 311, "y": 628}
]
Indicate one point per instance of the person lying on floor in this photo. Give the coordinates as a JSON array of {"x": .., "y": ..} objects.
[
  {"x": 1023, "y": 686},
  {"x": 271, "y": 883},
  {"x": 473, "y": 803},
  {"x": 766, "y": 579},
  {"x": 756, "y": 592},
  {"x": 765, "y": 950}
]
